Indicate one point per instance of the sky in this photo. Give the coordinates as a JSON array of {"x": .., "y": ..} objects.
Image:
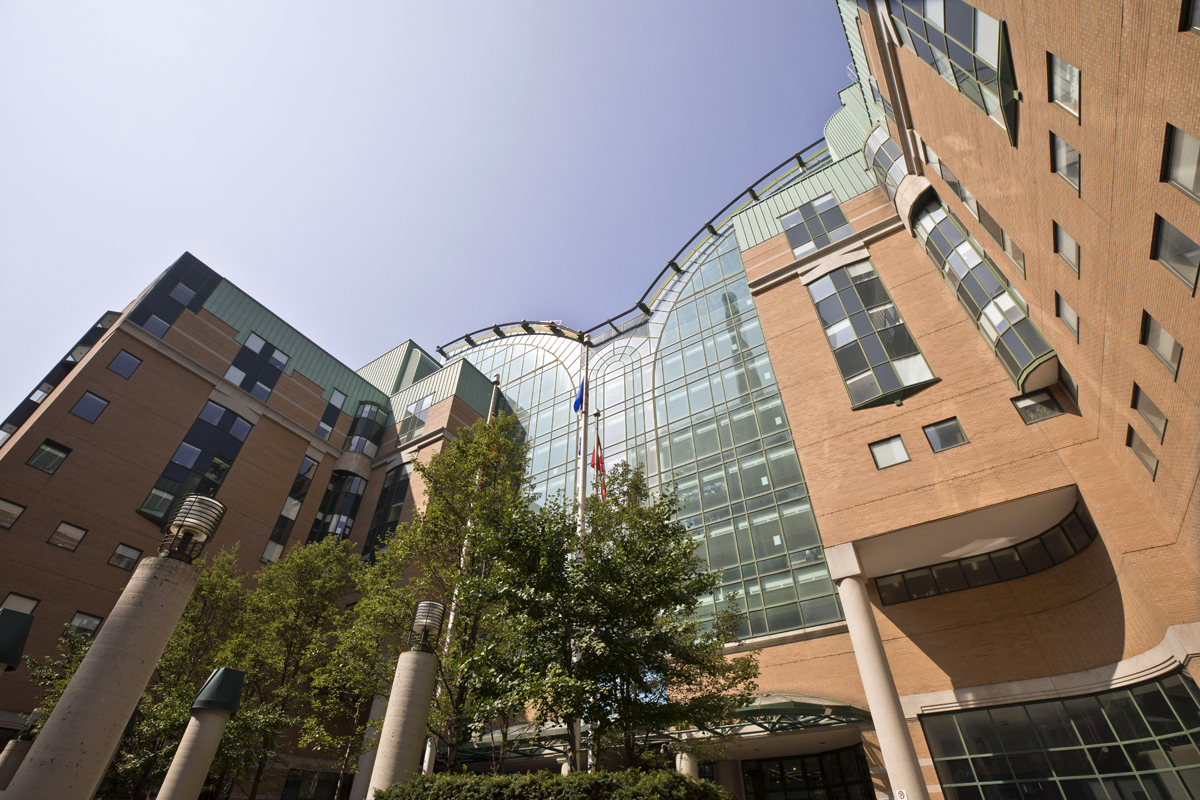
[{"x": 378, "y": 171}]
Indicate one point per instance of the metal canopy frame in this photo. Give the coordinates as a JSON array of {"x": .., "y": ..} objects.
[{"x": 767, "y": 714}]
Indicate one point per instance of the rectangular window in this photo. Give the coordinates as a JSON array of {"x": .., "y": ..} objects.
[
  {"x": 1015, "y": 253},
  {"x": 257, "y": 367},
  {"x": 1161, "y": 343},
  {"x": 888, "y": 452},
  {"x": 1064, "y": 161},
  {"x": 815, "y": 225},
  {"x": 1155, "y": 418},
  {"x": 67, "y": 536},
  {"x": 1037, "y": 406},
  {"x": 124, "y": 364},
  {"x": 125, "y": 557},
  {"x": 1066, "y": 314},
  {"x": 19, "y": 602},
  {"x": 1142, "y": 451},
  {"x": 1066, "y": 246},
  {"x": 49, "y": 456},
  {"x": 9, "y": 513},
  {"x": 1064, "y": 84},
  {"x": 1191, "y": 19},
  {"x": 945, "y": 434},
  {"x": 1176, "y": 251},
  {"x": 931, "y": 158},
  {"x": 1182, "y": 167},
  {"x": 1067, "y": 382},
  {"x": 84, "y": 624},
  {"x": 89, "y": 407},
  {"x": 42, "y": 392}
]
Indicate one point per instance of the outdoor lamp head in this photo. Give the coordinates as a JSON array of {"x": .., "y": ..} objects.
[
  {"x": 190, "y": 525},
  {"x": 427, "y": 624}
]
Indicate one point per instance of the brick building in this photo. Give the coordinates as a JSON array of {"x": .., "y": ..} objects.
[{"x": 926, "y": 389}]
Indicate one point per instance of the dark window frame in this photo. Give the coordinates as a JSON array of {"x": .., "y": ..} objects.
[
  {"x": 94, "y": 396},
  {"x": 1165, "y": 170},
  {"x": 1139, "y": 392},
  {"x": 907, "y": 455},
  {"x": 925, "y": 430},
  {"x": 136, "y": 558},
  {"x": 1056, "y": 411},
  {"x": 1156, "y": 244},
  {"x": 49, "y": 444},
  {"x": 16, "y": 517},
  {"x": 1144, "y": 337},
  {"x": 1130, "y": 435},
  {"x": 112, "y": 363},
  {"x": 89, "y": 633},
  {"x": 1054, "y": 166},
  {"x": 1059, "y": 302},
  {"x": 52, "y": 543}
]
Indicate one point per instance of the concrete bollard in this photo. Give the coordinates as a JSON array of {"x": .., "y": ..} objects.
[
  {"x": 69, "y": 757},
  {"x": 402, "y": 740},
  {"x": 687, "y": 764},
  {"x": 366, "y": 761},
  {"x": 217, "y": 701},
  {"x": 14, "y": 753}
]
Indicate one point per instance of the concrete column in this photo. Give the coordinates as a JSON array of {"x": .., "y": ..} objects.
[
  {"x": 366, "y": 761},
  {"x": 565, "y": 769},
  {"x": 688, "y": 764},
  {"x": 14, "y": 753},
  {"x": 402, "y": 740},
  {"x": 189, "y": 768},
  {"x": 899, "y": 756},
  {"x": 729, "y": 777},
  {"x": 69, "y": 757}
]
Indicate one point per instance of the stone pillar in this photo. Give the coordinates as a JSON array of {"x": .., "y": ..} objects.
[
  {"x": 688, "y": 764},
  {"x": 729, "y": 777},
  {"x": 366, "y": 761},
  {"x": 217, "y": 701},
  {"x": 14, "y": 753},
  {"x": 69, "y": 757},
  {"x": 402, "y": 740},
  {"x": 899, "y": 756}
]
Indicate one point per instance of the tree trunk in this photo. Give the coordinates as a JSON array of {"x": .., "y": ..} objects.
[{"x": 258, "y": 773}]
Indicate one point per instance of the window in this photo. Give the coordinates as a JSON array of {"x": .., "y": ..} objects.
[
  {"x": 945, "y": 434},
  {"x": 257, "y": 367},
  {"x": 9, "y": 513},
  {"x": 1066, "y": 247},
  {"x": 886, "y": 161},
  {"x": 1191, "y": 16},
  {"x": 1066, "y": 314},
  {"x": 1161, "y": 343},
  {"x": 48, "y": 456},
  {"x": 291, "y": 508},
  {"x": 1064, "y": 161},
  {"x": 1142, "y": 451},
  {"x": 1064, "y": 84},
  {"x": 1069, "y": 537},
  {"x": 124, "y": 364},
  {"x": 19, "y": 602},
  {"x": 1014, "y": 252},
  {"x": 330, "y": 417},
  {"x": 878, "y": 358},
  {"x": 125, "y": 557},
  {"x": 1177, "y": 252},
  {"x": 337, "y": 398},
  {"x": 1155, "y": 418},
  {"x": 67, "y": 536},
  {"x": 89, "y": 407},
  {"x": 413, "y": 420},
  {"x": 931, "y": 158},
  {"x": 42, "y": 392},
  {"x": 888, "y": 452},
  {"x": 815, "y": 225},
  {"x": 1067, "y": 382},
  {"x": 1037, "y": 406},
  {"x": 84, "y": 624},
  {"x": 1165, "y": 707},
  {"x": 1182, "y": 167}
]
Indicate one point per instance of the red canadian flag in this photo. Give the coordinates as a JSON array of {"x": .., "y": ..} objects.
[{"x": 598, "y": 463}]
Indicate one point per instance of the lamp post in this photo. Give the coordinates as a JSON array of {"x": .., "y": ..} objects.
[
  {"x": 402, "y": 739},
  {"x": 217, "y": 701},
  {"x": 71, "y": 754}
]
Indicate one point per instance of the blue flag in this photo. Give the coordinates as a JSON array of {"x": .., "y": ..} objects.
[{"x": 579, "y": 397}]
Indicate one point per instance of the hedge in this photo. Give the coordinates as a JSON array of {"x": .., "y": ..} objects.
[{"x": 627, "y": 785}]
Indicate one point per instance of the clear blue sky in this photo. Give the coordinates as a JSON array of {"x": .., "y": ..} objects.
[{"x": 373, "y": 172}]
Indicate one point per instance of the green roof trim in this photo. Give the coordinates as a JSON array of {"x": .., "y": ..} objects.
[{"x": 246, "y": 315}]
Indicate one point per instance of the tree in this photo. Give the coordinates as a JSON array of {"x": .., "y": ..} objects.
[
  {"x": 609, "y": 617},
  {"x": 286, "y": 635},
  {"x": 475, "y": 492}
]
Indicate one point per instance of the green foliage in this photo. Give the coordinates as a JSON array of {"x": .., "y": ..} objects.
[
  {"x": 627, "y": 785},
  {"x": 608, "y": 617},
  {"x": 475, "y": 492},
  {"x": 53, "y": 674}
]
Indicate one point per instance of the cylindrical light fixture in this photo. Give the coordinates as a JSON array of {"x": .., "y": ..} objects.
[
  {"x": 190, "y": 524},
  {"x": 426, "y": 626}
]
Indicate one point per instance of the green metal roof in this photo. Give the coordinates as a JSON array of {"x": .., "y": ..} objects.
[
  {"x": 459, "y": 379},
  {"x": 245, "y": 314},
  {"x": 400, "y": 367}
]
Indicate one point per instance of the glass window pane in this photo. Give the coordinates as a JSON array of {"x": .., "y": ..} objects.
[
  {"x": 1149, "y": 411},
  {"x": 1161, "y": 343},
  {"x": 1178, "y": 252},
  {"x": 67, "y": 536},
  {"x": 888, "y": 452},
  {"x": 944, "y": 435},
  {"x": 1064, "y": 84},
  {"x": 1184, "y": 167},
  {"x": 89, "y": 407}
]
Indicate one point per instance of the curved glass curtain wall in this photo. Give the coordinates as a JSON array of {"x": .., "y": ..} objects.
[
  {"x": 984, "y": 292},
  {"x": 697, "y": 397},
  {"x": 1136, "y": 743},
  {"x": 886, "y": 161},
  {"x": 724, "y": 434}
]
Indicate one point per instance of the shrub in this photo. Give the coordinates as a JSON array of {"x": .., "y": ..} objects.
[{"x": 627, "y": 785}]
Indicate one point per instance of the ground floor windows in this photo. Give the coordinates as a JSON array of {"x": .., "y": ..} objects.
[
  {"x": 835, "y": 775},
  {"x": 1140, "y": 743}
]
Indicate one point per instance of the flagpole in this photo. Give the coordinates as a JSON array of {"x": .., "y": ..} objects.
[{"x": 581, "y": 483}]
